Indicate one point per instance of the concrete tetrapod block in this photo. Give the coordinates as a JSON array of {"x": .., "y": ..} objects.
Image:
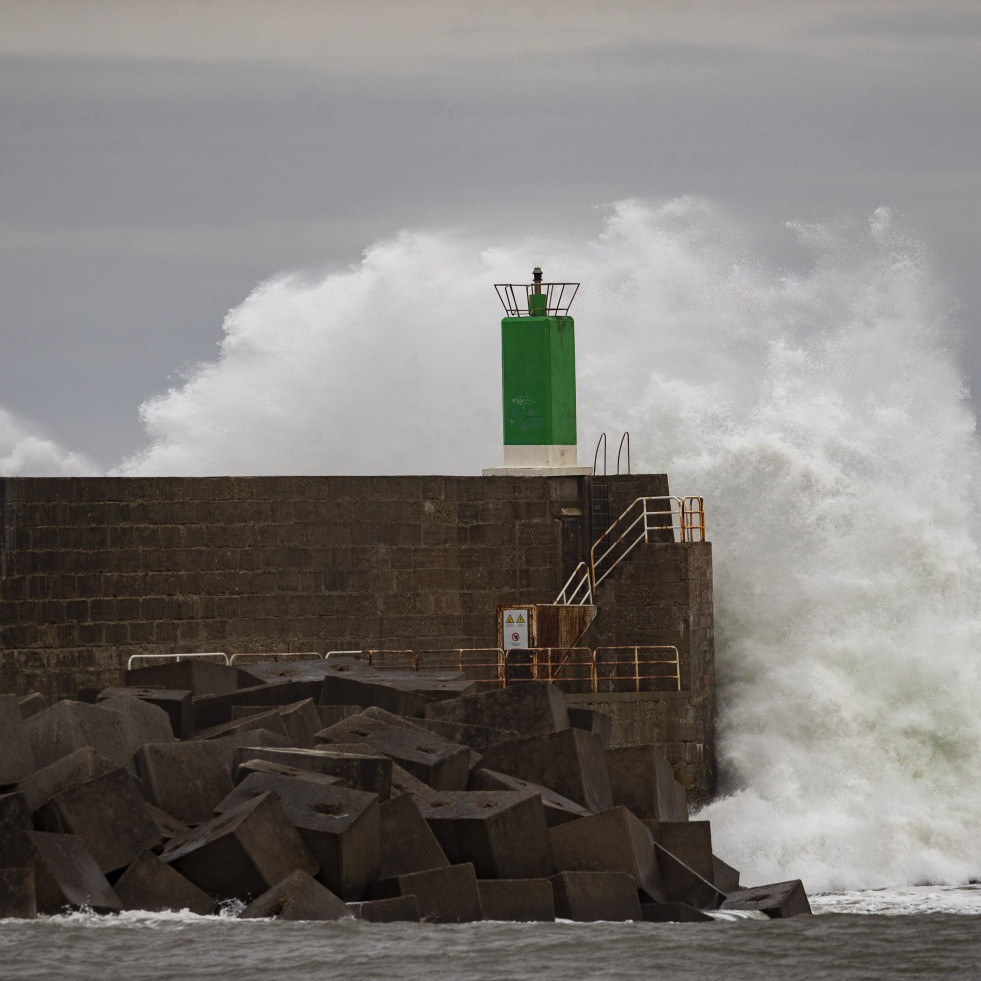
[
  {"x": 356, "y": 766},
  {"x": 535, "y": 708},
  {"x": 502, "y": 833},
  {"x": 175, "y": 702},
  {"x": 243, "y": 852},
  {"x": 594, "y": 721},
  {"x": 208, "y": 711},
  {"x": 151, "y": 884},
  {"x": 142, "y": 722},
  {"x": 614, "y": 841},
  {"x": 683, "y": 884},
  {"x": 107, "y": 814},
  {"x": 195, "y": 675},
  {"x": 330, "y": 714},
  {"x": 407, "y": 841},
  {"x": 300, "y": 720},
  {"x": 691, "y": 843},
  {"x": 395, "y": 910},
  {"x": 298, "y": 897},
  {"x": 15, "y": 820},
  {"x": 17, "y": 758},
  {"x": 167, "y": 825},
  {"x": 570, "y": 762},
  {"x": 66, "y": 876},
  {"x": 476, "y": 737},
  {"x": 185, "y": 779},
  {"x": 523, "y": 900},
  {"x": 32, "y": 704},
  {"x": 17, "y": 898},
  {"x": 434, "y": 760},
  {"x": 251, "y": 720},
  {"x": 558, "y": 809},
  {"x": 643, "y": 780},
  {"x": 725, "y": 877},
  {"x": 673, "y": 913},
  {"x": 447, "y": 895},
  {"x": 350, "y": 689},
  {"x": 778, "y": 900},
  {"x": 68, "y": 726},
  {"x": 589, "y": 896},
  {"x": 404, "y": 782},
  {"x": 76, "y": 768},
  {"x": 340, "y": 826}
]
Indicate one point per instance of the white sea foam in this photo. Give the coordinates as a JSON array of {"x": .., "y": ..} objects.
[{"x": 817, "y": 406}]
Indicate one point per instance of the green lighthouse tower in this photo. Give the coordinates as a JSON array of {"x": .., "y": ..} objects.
[{"x": 538, "y": 378}]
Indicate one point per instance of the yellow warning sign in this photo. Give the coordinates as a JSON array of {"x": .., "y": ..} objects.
[
  {"x": 521, "y": 619},
  {"x": 510, "y": 619}
]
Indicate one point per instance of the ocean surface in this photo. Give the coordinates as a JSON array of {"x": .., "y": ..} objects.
[{"x": 905, "y": 933}]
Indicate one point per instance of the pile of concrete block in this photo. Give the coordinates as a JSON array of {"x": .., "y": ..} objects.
[{"x": 323, "y": 789}]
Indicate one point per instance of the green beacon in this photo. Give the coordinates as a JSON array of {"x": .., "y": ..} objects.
[{"x": 538, "y": 375}]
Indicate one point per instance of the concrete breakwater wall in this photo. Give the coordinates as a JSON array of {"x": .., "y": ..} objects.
[{"x": 95, "y": 570}]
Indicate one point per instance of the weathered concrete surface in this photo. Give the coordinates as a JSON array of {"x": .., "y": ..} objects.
[
  {"x": 642, "y": 779},
  {"x": 521, "y": 900},
  {"x": 67, "y": 877},
  {"x": 298, "y": 897},
  {"x": 394, "y": 910},
  {"x": 68, "y": 726},
  {"x": 598, "y": 723},
  {"x": 502, "y": 833},
  {"x": 534, "y": 708},
  {"x": 684, "y": 885},
  {"x": 570, "y": 762},
  {"x": 558, "y": 809},
  {"x": 357, "y": 766},
  {"x": 17, "y": 898},
  {"x": 243, "y": 852},
  {"x": 446, "y": 895},
  {"x": 778, "y": 900},
  {"x": 407, "y": 841},
  {"x": 185, "y": 779},
  {"x": 176, "y": 703},
  {"x": 17, "y": 757},
  {"x": 69, "y": 771},
  {"x": 589, "y": 896},
  {"x": 691, "y": 843},
  {"x": 151, "y": 884}
]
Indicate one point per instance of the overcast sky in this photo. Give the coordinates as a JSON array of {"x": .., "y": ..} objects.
[{"x": 159, "y": 158}]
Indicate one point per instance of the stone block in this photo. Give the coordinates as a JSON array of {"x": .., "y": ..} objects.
[
  {"x": 249, "y": 720},
  {"x": 356, "y": 767},
  {"x": 266, "y": 766},
  {"x": 302, "y": 722},
  {"x": 594, "y": 721},
  {"x": 15, "y": 821},
  {"x": 614, "y": 841},
  {"x": 535, "y": 708},
  {"x": 340, "y": 826},
  {"x": 66, "y": 876},
  {"x": 404, "y": 782},
  {"x": 778, "y": 900},
  {"x": 175, "y": 702},
  {"x": 273, "y": 672},
  {"x": 570, "y": 762},
  {"x": 107, "y": 814},
  {"x": 407, "y": 841},
  {"x": 76, "y": 768},
  {"x": 298, "y": 897},
  {"x": 329, "y": 714},
  {"x": 502, "y": 833},
  {"x": 522, "y": 900},
  {"x": 395, "y": 910},
  {"x": 725, "y": 877},
  {"x": 351, "y": 689},
  {"x": 436, "y": 761},
  {"x": 642, "y": 779},
  {"x": 168, "y": 826},
  {"x": 32, "y": 704},
  {"x": 673, "y": 913},
  {"x": 683, "y": 884},
  {"x": 195, "y": 675},
  {"x": 589, "y": 896},
  {"x": 151, "y": 884},
  {"x": 691, "y": 843},
  {"x": 142, "y": 721},
  {"x": 67, "y": 726},
  {"x": 558, "y": 809},
  {"x": 476, "y": 737},
  {"x": 186, "y": 779},
  {"x": 17, "y": 898},
  {"x": 243, "y": 852},
  {"x": 208, "y": 711},
  {"x": 447, "y": 895}
]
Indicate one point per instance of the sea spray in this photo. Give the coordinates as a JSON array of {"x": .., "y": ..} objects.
[{"x": 816, "y": 405}]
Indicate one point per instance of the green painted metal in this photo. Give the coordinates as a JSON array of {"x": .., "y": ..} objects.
[{"x": 538, "y": 372}]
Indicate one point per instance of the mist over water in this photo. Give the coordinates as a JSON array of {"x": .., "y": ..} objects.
[{"x": 817, "y": 406}]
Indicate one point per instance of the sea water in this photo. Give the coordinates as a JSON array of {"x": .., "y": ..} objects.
[{"x": 813, "y": 397}]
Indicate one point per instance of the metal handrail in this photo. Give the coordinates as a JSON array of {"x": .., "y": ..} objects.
[
  {"x": 173, "y": 657},
  {"x": 625, "y": 436},
  {"x": 307, "y": 655},
  {"x": 636, "y": 663},
  {"x": 601, "y": 440},
  {"x": 566, "y": 598},
  {"x": 557, "y": 302},
  {"x": 467, "y": 666}
]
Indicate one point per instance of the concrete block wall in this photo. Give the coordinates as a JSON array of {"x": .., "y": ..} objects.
[{"x": 94, "y": 570}]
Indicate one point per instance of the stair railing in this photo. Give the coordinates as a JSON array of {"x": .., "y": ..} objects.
[{"x": 578, "y": 589}]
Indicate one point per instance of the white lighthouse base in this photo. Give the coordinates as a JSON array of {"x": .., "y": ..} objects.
[{"x": 556, "y": 460}]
